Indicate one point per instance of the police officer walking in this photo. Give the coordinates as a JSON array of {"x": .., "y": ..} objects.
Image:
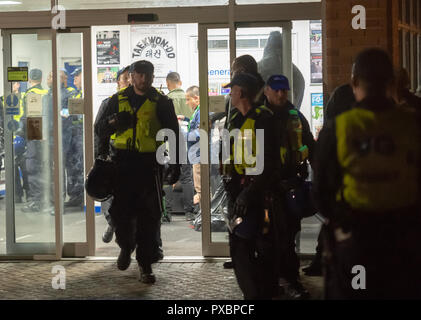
[
  {"x": 249, "y": 205},
  {"x": 296, "y": 148},
  {"x": 367, "y": 185},
  {"x": 130, "y": 123}
]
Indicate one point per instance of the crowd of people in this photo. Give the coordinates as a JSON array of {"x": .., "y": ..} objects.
[
  {"x": 365, "y": 181},
  {"x": 365, "y": 178},
  {"x": 33, "y": 151}
]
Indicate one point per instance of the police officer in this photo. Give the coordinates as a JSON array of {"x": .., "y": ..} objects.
[
  {"x": 296, "y": 147},
  {"x": 130, "y": 123},
  {"x": 102, "y": 151},
  {"x": 34, "y": 156},
  {"x": 249, "y": 209},
  {"x": 341, "y": 100},
  {"x": 74, "y": 154},
  {"x": 367, "y": 185},
  {"x": 247, "y": 64}
]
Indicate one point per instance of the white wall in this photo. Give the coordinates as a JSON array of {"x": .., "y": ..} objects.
[
  {"x": 27, "y": 47},
  {"x": 187, "y": 57}
]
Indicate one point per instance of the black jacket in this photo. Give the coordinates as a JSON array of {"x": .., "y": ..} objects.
[
  {"x": 281, "y": 115},
  {"x": 266, "y": 180},
  {"x": 165, "y": 112}
]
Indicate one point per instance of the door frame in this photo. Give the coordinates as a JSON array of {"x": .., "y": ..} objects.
[
  {"x": 209, "y": 248},
  {"x": 58, "y": 249}
]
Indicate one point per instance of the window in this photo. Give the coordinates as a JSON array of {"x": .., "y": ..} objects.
[
  {"x": 121, "y": 4},
  {"x": 25, "y": 5},
  {"x": 247, "y": 43}
]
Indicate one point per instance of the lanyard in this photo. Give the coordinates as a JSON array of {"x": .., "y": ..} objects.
[{"x": 192, "y": 117}]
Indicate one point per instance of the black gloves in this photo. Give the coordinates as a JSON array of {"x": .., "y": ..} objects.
[
  {"x": 172, "y": 174},
  {"x": 121, "y": 121},
  {"x": 241, "y": 203}
]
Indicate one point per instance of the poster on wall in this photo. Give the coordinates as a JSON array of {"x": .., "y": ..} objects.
[
  {"x": 316, "y": 51},
  {"x": 157, "y": 44},
  {"x": 107, "y": 74},
  {"x": 316, "y": 113},
  {"x": 316, "y": 68},
  {"x": 108, "y": 47}
]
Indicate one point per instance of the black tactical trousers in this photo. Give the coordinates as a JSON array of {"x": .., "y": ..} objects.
[
  {"x": 289, "y": 261},
  {"x": 186, "y": 180},
  {"x": 254, "y": 262},
  {"x": 376, "y": 258},
  {"x": 135, "y": 212}
]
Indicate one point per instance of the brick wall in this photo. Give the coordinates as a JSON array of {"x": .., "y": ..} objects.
[{"x": 342, "y": 43}]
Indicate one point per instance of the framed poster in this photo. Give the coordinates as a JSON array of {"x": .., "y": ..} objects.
[
  {"x": 316, "y": 68},
  {"x": 157, "y": 44},
  {"x": 316, "y": 58},
  {"x": 108, "y": 47},
  {"x": 316, "y": 113}
]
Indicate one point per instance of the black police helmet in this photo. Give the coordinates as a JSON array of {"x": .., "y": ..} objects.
[{"x": 100, "y": 179}]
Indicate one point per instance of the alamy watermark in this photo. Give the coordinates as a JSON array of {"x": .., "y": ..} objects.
[
  {"x": 248, "y": 148},
  {"x": 359, "y": 281},
  {"x": 360, "y": 20},
  {"x": 59, "y": 280},
  {"x": 59, "y": 20}
]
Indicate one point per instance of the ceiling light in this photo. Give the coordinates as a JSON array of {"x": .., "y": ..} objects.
[{"x": 3, "y": 3}]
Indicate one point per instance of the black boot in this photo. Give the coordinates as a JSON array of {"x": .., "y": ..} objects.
[
  {"x": 124, "y": 259},
  {"x": 146, "y": 275}
]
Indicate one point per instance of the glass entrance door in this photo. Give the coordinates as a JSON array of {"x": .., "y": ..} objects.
[
  {"x": 270, "y": 45},
  {"x": 39, "y": 114},
  {"x": 29, "y": 195}
]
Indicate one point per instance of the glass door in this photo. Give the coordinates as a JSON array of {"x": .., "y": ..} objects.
[
  {"x": 74, "y": 87},
  {"x": 28, "y": 154},
  {"x": 270, "y": 45},
  {"x": 45, "y": 207}
]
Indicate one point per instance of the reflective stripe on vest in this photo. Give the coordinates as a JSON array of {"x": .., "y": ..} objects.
[
  {"x": 41, "y": 92},
  {"x": 147, "y": 126},
  {"x": 245, "y": 147},
  {"x": 378, "y": 153},
  {"x": 293, "y": 151}
]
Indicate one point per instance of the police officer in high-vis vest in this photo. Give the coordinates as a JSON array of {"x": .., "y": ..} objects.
[
  {"x": 73, "y": 149},
  {"x": 296, "y": 148},
  {"x": 249, "y": 177},
  {"x": 130, "y": 123},
  {"x": 34, "y": 155},
  {"x": 367, "y": 183}
]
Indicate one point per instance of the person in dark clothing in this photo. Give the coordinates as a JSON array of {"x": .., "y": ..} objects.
[
  {"x": 296, "y": 149},
  {"x": 366, "y": 183},
  {"x": 129, "y": 124},
  {"x": 102, "y": 151},
  {"x": 251, "y": 237},
  {"x": 341, "y": 100},
  {"x": 243, "y": 64}
]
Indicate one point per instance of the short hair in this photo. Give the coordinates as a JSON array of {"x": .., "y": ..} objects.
[
  {"x": 373, "y": 68},
  {"x": 193, "y": 91},
  {"x": 173, "y": 77},
  {"x": 245, "y": 62}
]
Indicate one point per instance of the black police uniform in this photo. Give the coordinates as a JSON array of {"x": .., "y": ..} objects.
[
  {"x": 291, "y": 175},
  {"x": 386, "y": 241},
  {"x": 135, "y": 210},
  {"x": 252, "y": 251}
]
